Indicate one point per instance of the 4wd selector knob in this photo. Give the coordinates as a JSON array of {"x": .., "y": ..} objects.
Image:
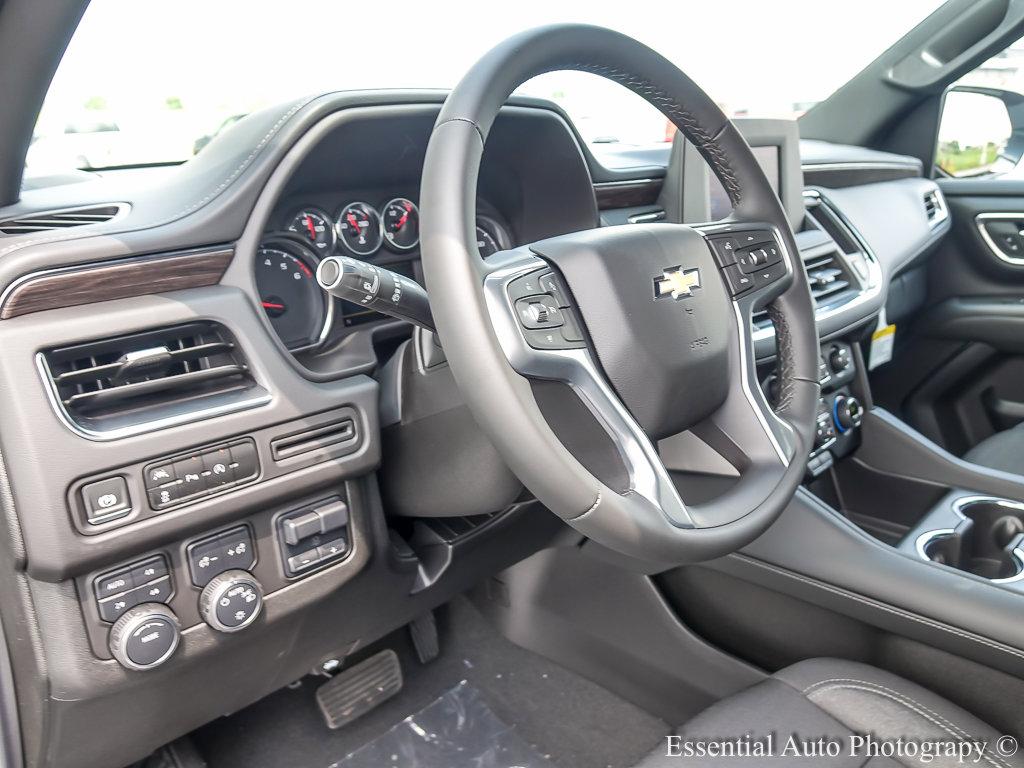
[
  {"x": 145, "y": 636},
  {"x": 231, "y": 601}
]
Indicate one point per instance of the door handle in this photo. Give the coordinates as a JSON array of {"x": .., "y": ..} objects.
[{"x": 1002, "y": 233}]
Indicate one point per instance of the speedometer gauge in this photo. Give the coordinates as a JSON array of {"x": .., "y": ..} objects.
[
  {"x": 401, "y": 224},
  {"x": 359, "y": 228},
  {"x": 314, "y": 226},
  {"x": 289, "y": 293}
]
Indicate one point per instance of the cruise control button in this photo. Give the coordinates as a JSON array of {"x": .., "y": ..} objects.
[
  {"x": 553, "y": 286},
  {"x": 747, "y": 239},
  {"x": 769, "y": 274},
  {"x": 539, "y": 312},
  {"x": 243, "y": 456},
  {"x": 571, "y": 330},
  {"x": 773, "y": 253},
  {"x": 737, "y": 280},
  {"x": 106, "y": 499},
  {"x": 528, "y": 285},
  {"x": 724, "y": 249},
  {"x": 544, "y": 339}
]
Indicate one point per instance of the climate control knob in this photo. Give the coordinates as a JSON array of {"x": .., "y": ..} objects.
[
  {"x": 231, "y": 601},
  {"x": 847, "y": 412},
  {"x": 145, "y": 636}
]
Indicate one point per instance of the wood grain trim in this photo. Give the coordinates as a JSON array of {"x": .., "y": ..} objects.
[
  {"x": 627, "y": 194},
  {"x": 75, "y": 286}
]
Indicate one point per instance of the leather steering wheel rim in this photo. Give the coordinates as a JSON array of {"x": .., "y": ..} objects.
[{"x": 476, "y": 339}]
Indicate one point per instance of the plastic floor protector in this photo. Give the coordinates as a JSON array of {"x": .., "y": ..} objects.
[{"x": 458, "y": 730}]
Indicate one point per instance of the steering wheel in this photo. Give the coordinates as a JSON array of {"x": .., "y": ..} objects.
[{"x": 648, "y": 324}]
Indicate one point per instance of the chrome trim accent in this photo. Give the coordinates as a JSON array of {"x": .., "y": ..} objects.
[
  {"x": 647, "y": 474},
  {"x": 874, "y": 281},
  {"x": 867, "y": 165},
  {"x": 646, "y": 218},
  {"x": 1017, "y": 261},
  {"x": 958, "y": 506},
  {"x": 624, "y": 183},
  {"x": 142, "y": 427}
]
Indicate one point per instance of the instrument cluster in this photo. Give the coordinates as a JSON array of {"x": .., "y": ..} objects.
[{"x": 286, "y": 263}]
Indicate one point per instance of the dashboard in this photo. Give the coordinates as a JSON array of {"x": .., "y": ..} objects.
[{"x": 187, "y": 418}]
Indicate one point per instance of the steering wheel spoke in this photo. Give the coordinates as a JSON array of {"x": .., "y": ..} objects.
[{"x": 521, "y": 280}]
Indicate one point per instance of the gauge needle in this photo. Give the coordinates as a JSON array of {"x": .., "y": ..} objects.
[
  {"x": 354, "y": 224},
  {"x": 272, "y": 305},
  {"x": 309, "y": 226},
  {"x": 401, "y": 221}
]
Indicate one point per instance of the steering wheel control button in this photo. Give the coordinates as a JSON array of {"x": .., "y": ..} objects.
[
  {"x": 552, "y": 286},
  {"x": 313, "y": 535},
  {"x": 197, "y": 474},
  {"x": 539, "y": 312},
  {"x": 725, "y": 249},
  {"x": 213, "y": 555},
  {"x": 106, "y": 500},
  {"x": 738, "y": 281},
  {"x": 231, "y": 601},
  {"x": 145, "y": 637},
  {"x": 528, "y": 285},
  {"x": 768, "y": 275}
]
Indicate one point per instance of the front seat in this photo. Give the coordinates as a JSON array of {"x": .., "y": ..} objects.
[
  {"x": 1003, "y": 450},
  {"x": 835, "y": 700}
]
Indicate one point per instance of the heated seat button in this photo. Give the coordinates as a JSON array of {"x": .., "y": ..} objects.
[{"x": 106, "y": 499}]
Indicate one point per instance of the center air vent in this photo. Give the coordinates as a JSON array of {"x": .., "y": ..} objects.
[
  {"x": 828, "y": 278},
  {"x": 71, "y": 217},
  {"x": 129, "y": 384}
]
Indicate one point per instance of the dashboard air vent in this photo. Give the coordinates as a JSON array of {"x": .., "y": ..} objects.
[
  {"x": 827, "y": 277},
  {"x": 935, "y": 207},
  {"x": 117, "y": 384},
  {"x": 71, "y": 217}
]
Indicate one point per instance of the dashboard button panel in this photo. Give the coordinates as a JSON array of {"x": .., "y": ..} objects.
[
  {"x": 224, "y": 551},
  {"x": 313, "y": 535},
  {"x": 118, "y": 591},
  {"x": 200, "y": 473}
]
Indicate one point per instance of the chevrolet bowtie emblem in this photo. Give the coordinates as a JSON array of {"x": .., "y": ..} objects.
[{"x": 676, "y": 282}]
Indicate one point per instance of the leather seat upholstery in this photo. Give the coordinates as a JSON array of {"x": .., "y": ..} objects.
[
  {"x": 836, "y": 700},
  {"x": 1003, "y": 450}
]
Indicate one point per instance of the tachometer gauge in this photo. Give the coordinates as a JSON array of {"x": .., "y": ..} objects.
[
  {"x": 289, "y": 293},
  {"x": 316, "y": 227},
  {"x": 359, "y": 228},
  {"x": 401, "y": 224}
]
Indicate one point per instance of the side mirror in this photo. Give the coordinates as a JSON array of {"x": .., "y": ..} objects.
[{"x": 981, "y": 131}]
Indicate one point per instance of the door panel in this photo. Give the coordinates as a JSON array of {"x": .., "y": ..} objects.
[{"x": 958, "y": 375}]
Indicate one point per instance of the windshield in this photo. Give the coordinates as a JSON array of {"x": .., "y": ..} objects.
[{"x": 153, "y": 81}]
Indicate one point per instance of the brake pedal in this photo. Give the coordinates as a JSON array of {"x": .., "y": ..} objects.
[
  {"x": 356, "y": 691},
  {"x": 423, "y": 631}
]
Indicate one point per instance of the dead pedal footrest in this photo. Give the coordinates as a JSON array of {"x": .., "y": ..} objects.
[{"x": 354, "y": 692}]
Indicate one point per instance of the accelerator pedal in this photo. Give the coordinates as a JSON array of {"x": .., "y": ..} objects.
[
  {"x": 423, "y": 631},
  {"x": 356, "y": 691}
]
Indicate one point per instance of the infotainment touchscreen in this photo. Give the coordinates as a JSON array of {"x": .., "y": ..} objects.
[{"x": 767, "y": 157}]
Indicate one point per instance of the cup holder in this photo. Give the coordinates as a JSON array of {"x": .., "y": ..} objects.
[{"x": 988, "y": 541}]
